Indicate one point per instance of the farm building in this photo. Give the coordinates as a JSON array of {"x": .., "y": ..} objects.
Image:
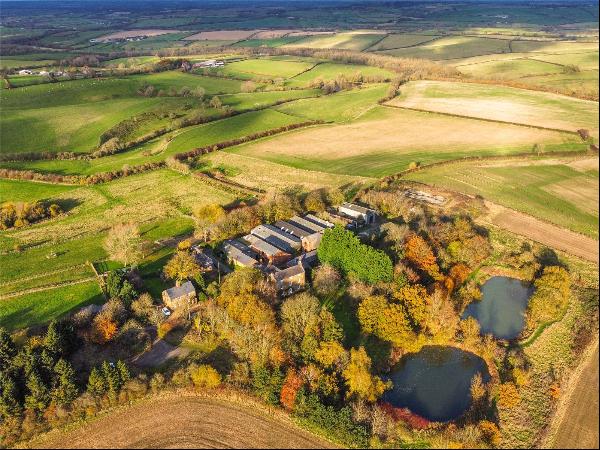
[
  {"x": 178, "y": 296},
  {"x": 25, "y": 72},
  {"x": 278, "y": 238},
  {"x": 307, "y": 224},
  {"x": 310, "y": 240},
  {"x": 290, "y": 280},
  {"x": 270, "y": 253},
  {"x": 316, "y": 220},
  {"x": 357, "y": 212},
  {"x": 204, "y": 261},
  {"x": 307, "y": 260},
  {"x": 239, "y": 254}
]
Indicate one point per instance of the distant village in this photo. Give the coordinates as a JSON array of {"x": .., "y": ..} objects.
[{"x": 283, "y": 251}]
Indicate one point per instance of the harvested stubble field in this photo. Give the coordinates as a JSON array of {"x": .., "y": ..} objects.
[
  {"x": 385, "y": 141},
  {"x": 500, "y": 103},
  {"x": 184, "y": 422},
  {"x": 355, "y": 40}
]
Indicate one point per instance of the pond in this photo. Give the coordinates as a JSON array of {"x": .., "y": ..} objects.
[
  {"x": 435, "y": 383},
  {"x": 501, "y": 311}
]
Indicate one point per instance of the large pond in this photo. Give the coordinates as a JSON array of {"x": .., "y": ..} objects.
[
  {"x": 436, "y": 382},
  {"x": 501, "y": 311}
]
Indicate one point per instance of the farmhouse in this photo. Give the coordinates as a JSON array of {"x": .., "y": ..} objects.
[
  {"x": 358, "y": 213},
  {"x": 278, "y": 238},
  {"x": 239, "y": 254},
  {"x": 310, "y": 240},
  {"x": 270, "y": 253},
  {"x": 290, "y": 280},
  {"x": 179, "y": 296}
]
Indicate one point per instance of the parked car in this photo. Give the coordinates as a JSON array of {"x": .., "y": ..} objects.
[{"x": 166, "y": 311}]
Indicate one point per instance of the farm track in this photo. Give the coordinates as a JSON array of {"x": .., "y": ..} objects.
[
  {"x": 543, "y": 232},
  {"x": 575, "y": 424},
  {"x": 184, "y": 421}
]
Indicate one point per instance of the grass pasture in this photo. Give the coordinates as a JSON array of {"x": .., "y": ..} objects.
[
  {"x": 563, "y": 192},
  {"x": 329, "y": 71},
  {"x": 28, "y": 191},
  {"x": 354, "y": 40},
  {"x": 501, "y": 103},
  {"x": 452, "y": 47},
  {"x": 402, "y": 40},
  {"x": 266, "y": 68},
  {"x": 386, "y": 140}
]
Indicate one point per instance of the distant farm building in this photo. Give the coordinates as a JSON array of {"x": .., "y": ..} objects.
[
  {"x": 209, "y": 63},
  {"x": 178, "y": 296}
]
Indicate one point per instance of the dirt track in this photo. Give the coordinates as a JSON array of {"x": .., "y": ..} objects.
[
  {"x": 576, "y": 422},
  {"x": 543, "y": 232},
  {"x": 184, "y": 422}
]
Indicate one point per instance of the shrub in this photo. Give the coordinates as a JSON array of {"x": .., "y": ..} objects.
[{"x": 204, "y": 376}]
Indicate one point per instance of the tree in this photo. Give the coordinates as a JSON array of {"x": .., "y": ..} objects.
[
  {"x": 343, "y": 250},
  {"x": 385, "y": 320},
  {"x": 65, "y": 391},
  {"x": 314, "y": 201},
  {"x": 205, "y": 376},
  {"x": 97, "y": 385},
  {"x": 330, "y": 354},
  {"x": 415, "y": 300},
  {"x": 470, "y": 331},
  {"x": 490, "y": 432},
  {"x": 8, "y": 349},
  {"x": 38, "y": 397},
  {"x": 216, "y": 102},
  {"x": 335, "y": 197},
  {"x": 207, "y": 217},
  {"x": 9, "y": 395},
  {"x": 248, "y": 86},
  {"x": 289, "y": 391},
  {"x": 104, "y": 328},
  {"x": 182, "y": 266},
  {"x": 143, "y": 307},
  {"x": 358, "y": 377},
  {"x": 326, "y": 280},
  {"x": 419, "y": 253},
  {"x": 299, "y": 316},
  {"x": 551, "y": 296},
  {"x": 124, "y": 244},
  {"x": 508, "y": 395},
  {"x": 124, "y": 374}
]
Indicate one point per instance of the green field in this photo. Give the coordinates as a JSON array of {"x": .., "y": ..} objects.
[
  {"x": 452, "y": 47},
  {"x": 354, "y": 40},
  {"x": 27, "y": 191},
  {"x": 559, "y": 193},
  {"x": 266, "y": 68},
  {"x": 9, "y": 63},
  {"x": 38, "y": 308},
  {"x": 329, "y": 71},
  {"x": 395, "y": 41}
]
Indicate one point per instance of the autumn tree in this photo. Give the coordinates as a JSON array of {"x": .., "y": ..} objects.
[
  {"x": 359, "y": 380},
  {"x": 205, "y": 376},
  {"x": 414, "y": 299},
  {"x": 314, "y": 201},
  {"x": 207, "y": 217},
  {"x": 551, "y": 296},
  {"x": 419, "y": 253},
  {"x": 182, "y": 266},
  {"x": 299, "y": 318},
  {"x": 508, "y": 395},
  {"x": 326, "y": 280},
  {"x": 65, "y": 390},
  {"x": 124, "y": 244},
  {"x": 386, "y": 320},
  {"x": 289, "y": 390}
]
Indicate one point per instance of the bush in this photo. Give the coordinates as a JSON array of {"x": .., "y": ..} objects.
[{"x": 205, "y": 377}]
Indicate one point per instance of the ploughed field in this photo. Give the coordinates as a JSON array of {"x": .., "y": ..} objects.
[{"x": 184, "y": 422}]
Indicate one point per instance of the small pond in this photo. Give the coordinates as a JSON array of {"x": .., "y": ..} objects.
[
  {"x": 501, "y": 311},
  {"x": 435, "y": 383}
]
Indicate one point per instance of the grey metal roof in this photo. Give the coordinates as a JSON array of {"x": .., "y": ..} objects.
[
  {"x": 180, "y": 291},
  {"x": 318, "y": 221},
  {"x": 262, "y": 246},
  {"x": 357, "y": 208},
  {"x": 276, "y": 237},
  {"x": 240, "y": 252},
  {"x": 292, "y": 229},
  {"x": 306, "y": 224},
  {"x": 308, "y": 260}
]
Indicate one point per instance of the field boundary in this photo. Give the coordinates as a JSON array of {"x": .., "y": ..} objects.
[{"x": 46, "y": 288}]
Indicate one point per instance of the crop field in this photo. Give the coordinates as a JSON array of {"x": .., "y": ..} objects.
[
  {"x": 355, "y": 40},
  {"x": 561, "y": 192},
  {"x": 9, "y": 63},
  {"x": 501, "y": 103},
  {"x": 510, "y": 69},
  {"x": 187, "y": 421},
  {"x": 453, "y": 47},
  {"x": 386, "y": 141},
  {"x": 395, "y": 41}
]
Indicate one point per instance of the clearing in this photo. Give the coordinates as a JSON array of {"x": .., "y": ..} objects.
[{"x": 184, "y": 422}]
